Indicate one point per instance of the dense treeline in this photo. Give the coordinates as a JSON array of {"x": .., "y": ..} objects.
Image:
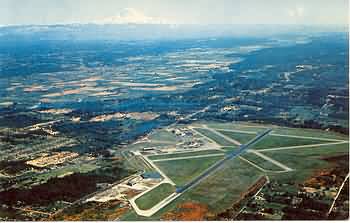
[{"x": 69, "y": 188}]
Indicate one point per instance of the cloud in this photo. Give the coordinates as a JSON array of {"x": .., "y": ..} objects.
[
  {"x": 131, "y": 16},
  {"x": 297, "y": 12}
]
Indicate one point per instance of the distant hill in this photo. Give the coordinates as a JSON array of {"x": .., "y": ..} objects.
[{"x": 127, "y": 32}]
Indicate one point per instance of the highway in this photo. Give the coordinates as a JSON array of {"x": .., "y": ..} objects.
[{"x": 217, "y": 165}]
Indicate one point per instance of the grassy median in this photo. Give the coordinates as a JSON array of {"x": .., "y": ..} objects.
[{"x": 154, "y": 196}]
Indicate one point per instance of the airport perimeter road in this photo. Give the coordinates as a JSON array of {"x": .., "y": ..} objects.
[{"x": 216, "y": 166}]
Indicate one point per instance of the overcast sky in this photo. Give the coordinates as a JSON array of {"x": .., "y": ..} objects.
[{"x": 16, "y": 12}]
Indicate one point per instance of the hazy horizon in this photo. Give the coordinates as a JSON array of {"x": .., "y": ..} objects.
[{"x": 197, "y": 12}]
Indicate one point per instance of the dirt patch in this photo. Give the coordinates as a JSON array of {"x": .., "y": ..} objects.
[
  {"x": 147, "y": 116},
  {"x": 57, "y": 111},
  {"x": 92, "y": 211},
  {"x": 331, "y": 176},
  {"x": 188, "y": 211}
]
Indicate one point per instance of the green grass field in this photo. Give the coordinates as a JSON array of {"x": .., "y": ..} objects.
[
  {"x": 176, "y": 155},
  {"x": 261, "y": 162},
  {"x": 271, "y": 141},
  {"x": 182, "y": 171},
  {"x": 219, "y": 191},
  {"x": 163, "y": 135},
  {"x": 138, "y": 163},
  {"x": 237, "y": 126},
  {"x": 240, "y": 137},
  {"x": 242, "y": 126},
  {"x": 216, "y": 138},
  {"x": 305, "y": 160},
  {"x": 222, "y": 188},
  {"x": 154, "y": 196},
  {"x": 309, "y": 133},
  {"x": 229, "y": 148},
  {"x": 77, "y": 168}
]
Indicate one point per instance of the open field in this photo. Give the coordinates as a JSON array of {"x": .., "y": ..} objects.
[
  {"x": 265, "y": 164},
  {"x": 305, "y": 160},
  {"x": 138, "y": 163},
  {"x": 153, "y": 197},
  {"x": 229, "y": 149},
  {"x": 222, "y": 188},
  {"x": 237, "y": 126},
  {"x": 272, "y": 141},
  {"x": 240, "y": 137},
  {"x": 216, "y": 138},
  {"x": 163, "y": 135},
  {"x": 254, "y": 127},
  {"x": 309, "y": 133},
  {"x": 182, "y": 171},
  {"x": 142, "y": 145},
  {"x": 219, "y": 191},
  {"x": 81, "y": 168}
]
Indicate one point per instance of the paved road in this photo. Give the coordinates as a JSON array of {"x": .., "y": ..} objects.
[
  {"x": 338, "y": 193},
  {"x": 209, "y": 139},
  {"x": 253, "y": 164},
  {"x": 302, "y": 146},
  {"x": 189, "y": 157},
  {"x": 271, "y": 160},
  {"x": 283, "y": 135},
  {"x": 165, "y": 177},
  {"x": 155, "y": 208},
  {"x": 216, "y": 166},
  {"x": 223, "y": 136}
]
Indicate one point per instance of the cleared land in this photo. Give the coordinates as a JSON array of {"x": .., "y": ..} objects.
[
  {"x": 215, "y": 137},
  {"x": 272, "y": 141},
  {"x": 305, "y": 160},
  {"x": 238, "y": 126},
  {"x": 222, "y": 188},
  {"x": 309, "y": 133},
  {"x": 187, "y": 154},
  {"x": 229, "y": 148},
  {"x": 138, "y": 163},
  {"x": 219, "y": 191},
  {"x": 142, "y": 145},
  {"x": 163, "y": 135},
  {"x": 240, "y": 137},
  {"x": 154, "y": 196},
  {"x": 265, "y": 164},
  {"x": 182, "y": 171}
]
